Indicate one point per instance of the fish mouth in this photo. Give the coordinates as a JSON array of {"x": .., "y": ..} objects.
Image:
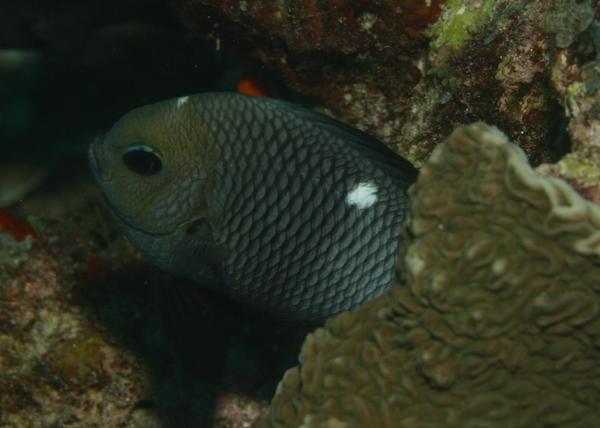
[
  {"x": 95, "y": 161},
  {"x": 128, "y": 222}
]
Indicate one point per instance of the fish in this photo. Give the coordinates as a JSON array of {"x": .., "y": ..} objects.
[{"x": 271, "y": 204}]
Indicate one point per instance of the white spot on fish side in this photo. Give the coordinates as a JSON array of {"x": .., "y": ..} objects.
[
  {"x": 499, "y": 266},
  {"x": 181, "y": 101},
  {"x": 363, "y": 195},
  {"x": 413, "y": 260}
]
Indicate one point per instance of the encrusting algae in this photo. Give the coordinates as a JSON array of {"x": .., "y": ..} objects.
[{"x": 497, "y": 319}]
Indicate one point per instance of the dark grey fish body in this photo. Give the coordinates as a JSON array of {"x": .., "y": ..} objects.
[{"x": 285, "y": 209}]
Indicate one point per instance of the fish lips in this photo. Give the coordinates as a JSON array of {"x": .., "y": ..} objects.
[
  {"x": 95, "y": 159},
  {"x": 129, "y": 224}
]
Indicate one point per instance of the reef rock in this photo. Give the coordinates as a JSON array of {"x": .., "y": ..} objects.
[
  {"x": 496, "y": 321},
  {"x": 57, "y": 368},
  {"x": 82, "y": 343},
  {"x": 577, "y": 80},
  {"x": 411, "y": 71}
]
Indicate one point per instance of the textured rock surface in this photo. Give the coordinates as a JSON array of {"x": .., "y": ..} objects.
[
  {"x": 360, "y": 37},
  {"x": 576, "y": 78},
  {"x": 411, "y": 71},
  {"x": 497, "y": 322},
  {"x": 56, "y": 367},
  {"x": 82, "y": 343}
]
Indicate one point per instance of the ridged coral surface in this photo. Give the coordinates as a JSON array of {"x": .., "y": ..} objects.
[{"x": 496, "y": 323}]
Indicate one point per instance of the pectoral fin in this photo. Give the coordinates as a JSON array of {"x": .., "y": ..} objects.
[{"x": 198, "y": 256}]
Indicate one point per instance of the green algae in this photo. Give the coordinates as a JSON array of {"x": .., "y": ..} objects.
[
  {"x": 582, "y": 166},
  {"x": 460, "y": 20}
]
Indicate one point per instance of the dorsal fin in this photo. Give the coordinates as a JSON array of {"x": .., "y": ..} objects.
[{"x": 372, "y": 148}]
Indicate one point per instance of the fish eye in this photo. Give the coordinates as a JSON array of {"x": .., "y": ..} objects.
[{"x": 142, "y": 160}]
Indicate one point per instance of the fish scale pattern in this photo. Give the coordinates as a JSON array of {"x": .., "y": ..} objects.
[
  {"x": 275, "y": 205},
  {"x": 297, "y": 248}
]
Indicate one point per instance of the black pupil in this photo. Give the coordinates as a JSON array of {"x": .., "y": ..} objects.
[{"x": 142, "y": 162}]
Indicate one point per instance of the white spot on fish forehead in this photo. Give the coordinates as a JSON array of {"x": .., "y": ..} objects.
[
  {"x": 182, "y": 100},
  {"x": 363, "y": 195}
]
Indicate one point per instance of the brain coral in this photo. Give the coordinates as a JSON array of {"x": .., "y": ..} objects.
[{"x": 496, "y": 324}]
